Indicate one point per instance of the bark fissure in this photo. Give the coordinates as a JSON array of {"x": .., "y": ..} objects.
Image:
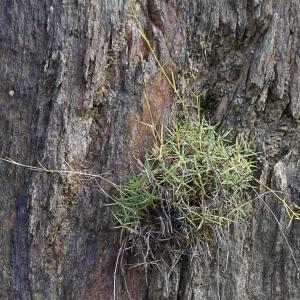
[{"x": 73, "y": 79}]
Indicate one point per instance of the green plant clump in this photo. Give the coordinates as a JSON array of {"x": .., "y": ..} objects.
[{"x": 189, "y": 188}]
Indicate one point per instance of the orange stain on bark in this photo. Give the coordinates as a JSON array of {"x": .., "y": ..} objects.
[
  {"x": 8, "y": 223},
  {"x": 156, "y": 100}
]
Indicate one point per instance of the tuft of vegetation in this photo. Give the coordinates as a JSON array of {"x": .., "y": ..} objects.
[
  {"x": 191, "y": 186},
  {"x": 189, "y": 189}
]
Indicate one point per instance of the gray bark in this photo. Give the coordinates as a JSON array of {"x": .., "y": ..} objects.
[{"x": 71, "y": 94}]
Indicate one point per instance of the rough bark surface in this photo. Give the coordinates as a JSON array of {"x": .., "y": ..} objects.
[{"x": 73, "y": 77}]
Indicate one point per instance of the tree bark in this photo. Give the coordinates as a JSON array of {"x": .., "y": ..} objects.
[{"x": 73, "y": 77}]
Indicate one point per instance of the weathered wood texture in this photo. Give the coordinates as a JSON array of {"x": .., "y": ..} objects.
[{"x": 72, "y": 81}]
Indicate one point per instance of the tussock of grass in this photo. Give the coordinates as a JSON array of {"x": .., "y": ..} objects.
[
  {"x": 192, "y": 185},
  {"x": 189, "y": 188}
]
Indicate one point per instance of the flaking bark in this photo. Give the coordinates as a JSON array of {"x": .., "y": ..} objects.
[{"x": 73, "y": 76}]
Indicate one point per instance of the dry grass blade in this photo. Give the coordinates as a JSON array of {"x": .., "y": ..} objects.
[
  {"x": 42, "y": 168},
  {"x": 186, "y": 192}
]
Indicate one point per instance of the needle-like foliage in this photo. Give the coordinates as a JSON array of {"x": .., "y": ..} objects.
[{"x": 189, "y": 188}]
